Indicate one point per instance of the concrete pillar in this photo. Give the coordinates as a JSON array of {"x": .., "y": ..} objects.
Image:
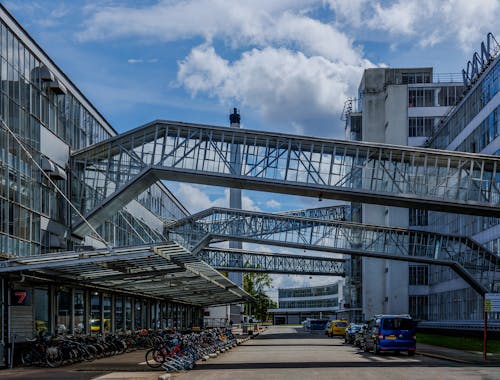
[{"x": 235, "y": 202}]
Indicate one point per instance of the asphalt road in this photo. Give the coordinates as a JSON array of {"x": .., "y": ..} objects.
[
  {"x": 285, "y": 353},
  {"x": 279, "y": 353}
]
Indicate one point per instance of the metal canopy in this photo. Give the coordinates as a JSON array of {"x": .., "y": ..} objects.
[{"x": 166, "y": 271}]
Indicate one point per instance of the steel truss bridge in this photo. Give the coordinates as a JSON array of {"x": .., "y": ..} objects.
[
  {"x": 236, "y": 260},
  {"x": 108, "y": 175},
  {"x": 120, "y": 168},
  {"x": 474, "y": 263}
]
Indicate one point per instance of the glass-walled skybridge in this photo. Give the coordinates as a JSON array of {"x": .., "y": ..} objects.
[
  {"x": 123, "y": 166},
  {"x": 236, "y": 260},
  {"x": 470, "y": 260}
]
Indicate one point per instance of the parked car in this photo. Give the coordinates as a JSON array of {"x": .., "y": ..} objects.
[
  {"x": 350, "y": 332},
  {"x": 318, "y": 324},
  {"x": 338, "y": 327},
  {"x": 306, "y": 323},
  {"x": 327, "y": 327},
  {"x": 360, "y": 335},
  {"x": 390, "y": 333}
]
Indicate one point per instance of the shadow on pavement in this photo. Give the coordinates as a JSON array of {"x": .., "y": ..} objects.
[{"x": 235, "y": 366}]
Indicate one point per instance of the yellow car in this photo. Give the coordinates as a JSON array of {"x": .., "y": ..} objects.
[
  {"x": 338, "y": 327},
  {"x": 95, "y": 324}
]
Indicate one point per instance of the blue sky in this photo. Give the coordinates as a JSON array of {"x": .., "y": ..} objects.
[{"x": 288, "y": 65}]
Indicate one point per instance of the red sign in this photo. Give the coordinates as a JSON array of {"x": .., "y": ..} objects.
[{"x": 21, "y": 297}]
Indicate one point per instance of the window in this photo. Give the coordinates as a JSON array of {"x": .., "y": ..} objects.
[
  {"x": 418, "y": 217},
  {"x": 419, "y": 307},
  {"x": 138, "y": 323},
  {"x": 41, "y": 299},
  {"x": 63, "y": 310},
  {"x": 119, "y": 320},
  {"x": 128, "y": 313},
  {"x": 95, "y": 313},
  {"x": 397, "y": 324},
  {"x": 79, "y": 322},
  {"x": 409, "y": 78},
  {"x": 421, "y": 97},
  {"x": 418, "y": 275},
  {"x": 107, "y": 312}
]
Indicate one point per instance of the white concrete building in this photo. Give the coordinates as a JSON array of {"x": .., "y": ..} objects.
[{"x": 403, "y": 107}]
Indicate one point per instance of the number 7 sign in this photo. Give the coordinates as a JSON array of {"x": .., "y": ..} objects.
[{"x": 21, "y": 297}]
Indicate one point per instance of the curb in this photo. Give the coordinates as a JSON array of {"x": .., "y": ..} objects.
[{"x": 442, "y": 357}]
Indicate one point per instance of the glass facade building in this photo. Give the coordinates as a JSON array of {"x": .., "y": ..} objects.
[
  {"x": 471, "y": 126},
  {"x": 317, "y": 302},
  {"x": 43, "y": 119},
  {"x": 440, "y": 116}
]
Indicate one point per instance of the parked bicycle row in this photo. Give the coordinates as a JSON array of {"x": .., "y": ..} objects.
[
  {"x": 180, "y": 352},
  {"x": 54, "y": 351}
]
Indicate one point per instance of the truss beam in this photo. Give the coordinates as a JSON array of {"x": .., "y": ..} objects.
[
  {"x": 473, "y": 262},
  {"x": 352, "y": 171},
  {"x": 235, "y": 260}
]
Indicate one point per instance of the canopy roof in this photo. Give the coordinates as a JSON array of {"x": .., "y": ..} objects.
[{"x": 166, "y": 271}]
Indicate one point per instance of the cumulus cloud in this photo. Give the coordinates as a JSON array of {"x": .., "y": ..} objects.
[
  {"x": 431, "y": 22},
  {"x": 195, "y": 198},
  {"x": 349, "y": 11},
  {"x": 170, "y": 20},
  {"x": 290, "y": 67},
  {"x": 283, "y": 85},
  {"x": 273, "y": 204}
]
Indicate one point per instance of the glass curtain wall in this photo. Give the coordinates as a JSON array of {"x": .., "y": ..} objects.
[
  {"x": 79, "y": 322},
  {"x": 119, "y": 313},
  {"x": 64, "y": 306},
  {"x": 95, "y": 313},
  {"x": 107, "y": 310},
  {"x": 128, "y": 313},
  {"x": 28, "y": 102},
  {"x": 41, "y": 311}
]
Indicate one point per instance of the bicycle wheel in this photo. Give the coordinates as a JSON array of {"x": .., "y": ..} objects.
[
  {"x": 27, "y": 357},
  {"x": 154, "y": 358},
  {"x": 53, "y": 357}
]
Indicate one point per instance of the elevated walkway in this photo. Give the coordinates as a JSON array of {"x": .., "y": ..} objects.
[
  {"x": 124, "y": 166},
  {"x": 235, "y": 260},
  {"x": 474, "y": 263}
]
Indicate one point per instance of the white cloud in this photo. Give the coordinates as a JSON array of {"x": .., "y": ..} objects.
[
  {"x": 133, "y": 61},
  {"x": 431, "y": 22},
  {"x": 294, "y": 69},
  {"x": 170, "y": 20},
  {"x": 272, "y": 203},
  {"x": 195, "y": 198},
  {"x": 283, "y": 85},
  {"x": 349, "y": 11}
]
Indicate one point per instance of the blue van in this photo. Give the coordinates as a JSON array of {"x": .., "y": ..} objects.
[{"x": 391, "y": 333}]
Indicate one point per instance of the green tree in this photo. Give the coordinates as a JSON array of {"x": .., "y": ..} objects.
[{"x": 256, "y": 285}]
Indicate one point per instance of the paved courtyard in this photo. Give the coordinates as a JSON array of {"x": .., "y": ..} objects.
[
  {"x": 288, "y": 353},
  {"x": 281, "y": 353}
]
